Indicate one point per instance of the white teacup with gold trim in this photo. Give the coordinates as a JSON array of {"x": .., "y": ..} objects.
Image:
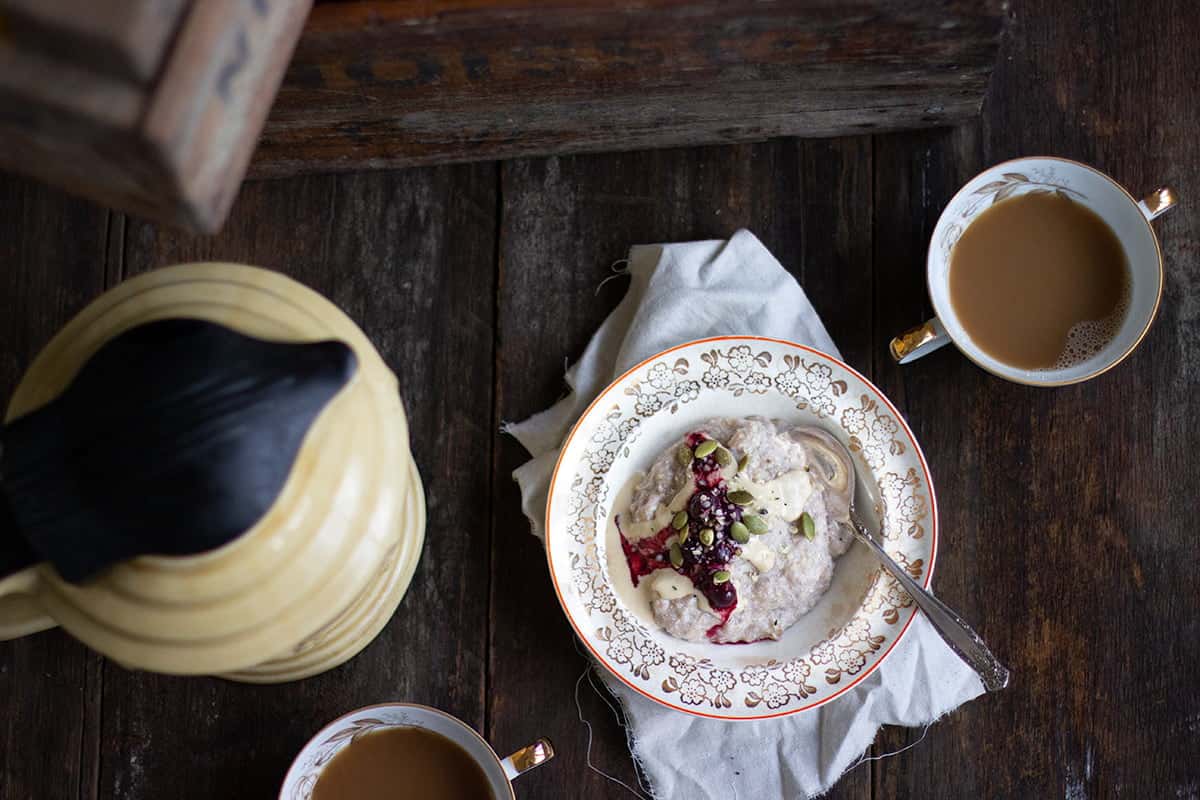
[
  {"x": 332, "y": 740},
  {"x": 1128, "y": 218}
]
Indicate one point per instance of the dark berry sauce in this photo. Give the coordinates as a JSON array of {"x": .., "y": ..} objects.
[
  {"x": 645, "y": 555},
  {"x": 708, "y": 508}
]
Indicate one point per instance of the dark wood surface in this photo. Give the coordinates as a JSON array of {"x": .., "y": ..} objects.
[
  {"x": 1069, "y": 534},
  {"x": 386, "y": 83}
]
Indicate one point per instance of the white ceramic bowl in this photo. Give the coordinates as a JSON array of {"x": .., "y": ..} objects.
[{"x": 858, "y": 621}]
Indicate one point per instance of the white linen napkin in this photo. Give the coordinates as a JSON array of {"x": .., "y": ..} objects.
[{"x": 681, "y": 292}]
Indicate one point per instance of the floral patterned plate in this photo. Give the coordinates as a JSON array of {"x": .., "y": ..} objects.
[{"x": 858, "y": 621}]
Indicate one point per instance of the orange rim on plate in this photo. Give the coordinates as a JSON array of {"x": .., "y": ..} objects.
[{"x": 912, "y": 611}]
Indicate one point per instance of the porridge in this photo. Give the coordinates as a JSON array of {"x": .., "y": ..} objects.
[{"x": 736, "y": 528}]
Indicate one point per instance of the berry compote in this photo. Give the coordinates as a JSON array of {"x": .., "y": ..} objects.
[{"x": 710, "y": 514}]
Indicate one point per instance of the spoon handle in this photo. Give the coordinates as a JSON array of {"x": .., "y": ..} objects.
[{"x": 957, "y": 634}]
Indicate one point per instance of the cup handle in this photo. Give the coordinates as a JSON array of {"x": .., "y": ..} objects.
[
  {"x": 919, "y": 341},
  {"x": 20, "y": 613},
  {"x": 1158, "y": 202},
  {"x": 527, "y": 758}
]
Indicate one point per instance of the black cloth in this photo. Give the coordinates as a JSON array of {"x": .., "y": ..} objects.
[{"x": 175, "y": 438}]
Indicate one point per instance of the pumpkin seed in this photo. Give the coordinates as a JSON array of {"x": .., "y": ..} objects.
[
  {"x": 705, "y": 448},
  {"x": 680, "y": 521},
  {"x": 721, "y": 576},
  {"x": 741, "y": 497},
  {"x": 707, "y": 536},
  {"x": 684, "y": 535},
  {"x": 810, "y": 527},
  {"x": 676, "y": 556},
  {"x": 724, "y": 457},
  {"x": 755, "y": 523},
  {"x": 743, "y": 462},
  {"x": 683, "y": 455},
  {"x": 739, "y": 532}
]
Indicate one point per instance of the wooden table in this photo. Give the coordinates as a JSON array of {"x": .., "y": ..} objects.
[{"x": 1069, "y": 533}]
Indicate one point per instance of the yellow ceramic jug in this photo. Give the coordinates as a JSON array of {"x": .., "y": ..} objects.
[{"x": 317, "y": 577}]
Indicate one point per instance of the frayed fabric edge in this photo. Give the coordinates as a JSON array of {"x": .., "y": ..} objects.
[
  {"x": 594, "y": 674},
  {"x": 644, "y": 779},
  {"x": 865, "y": 759}
]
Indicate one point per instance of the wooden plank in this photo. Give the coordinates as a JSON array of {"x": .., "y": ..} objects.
[
  {"x": 77, "y": 98},
  {"x": 1065, "y": 531},
  {"x": 216, "y": 89},
  {"x": 52, "y": 252},
  {"x": 836, "y": 261},
  {"x": 174, "y": 150},
  {"x": 565, "y": 221},
  {"x": 66, "y": 131},
  {"x": 835, "y": 270},
  {"x": 409, "y": 257},
  {"x": 958, "y": 417},
  {"x": 126, "y": 41},
  {"x": 399, "y": 82}
]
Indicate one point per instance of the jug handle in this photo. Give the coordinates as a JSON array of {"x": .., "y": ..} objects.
[{"x": 20, "y": 612}]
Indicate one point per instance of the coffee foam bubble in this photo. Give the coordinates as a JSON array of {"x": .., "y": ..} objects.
[{"x": 1088, "y": 338}]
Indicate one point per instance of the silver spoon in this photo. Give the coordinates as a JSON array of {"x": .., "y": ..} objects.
[{"x": 957, "y": 634}]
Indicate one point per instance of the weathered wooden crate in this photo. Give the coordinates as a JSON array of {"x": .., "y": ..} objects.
[
  {"x": 398, "y": 82},
  {"x": 151, "y": 106},
  {"x": 155, "y": 106}
]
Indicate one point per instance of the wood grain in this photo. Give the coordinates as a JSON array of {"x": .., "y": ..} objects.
[
  {"x": 174, "y": 149},
  {"x": 409, "y": 257},
  {"x": 127, "y": 41},
  {"x": 1065, "y": 532},
  {"x": 400, "y": 82},
  {"x": 52, "y": 251},
  {"x": 204, "y": 116}
]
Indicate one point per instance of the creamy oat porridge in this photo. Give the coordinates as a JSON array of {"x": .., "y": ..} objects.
[{"x": 736, "y": 527}]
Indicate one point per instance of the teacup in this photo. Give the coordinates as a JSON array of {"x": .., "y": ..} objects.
[
  {"x": 306, "y": 769},
  {"x": 1129, "y": 220}
]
